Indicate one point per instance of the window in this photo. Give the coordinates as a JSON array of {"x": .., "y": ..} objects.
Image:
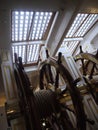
[
  {"x": 28, "y": 52},
  {"x": 78, "y": 29},
  {"x": 28, "y": 27}
]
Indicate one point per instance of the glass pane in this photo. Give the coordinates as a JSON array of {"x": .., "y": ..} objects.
[{"x": 29, "y": 23}]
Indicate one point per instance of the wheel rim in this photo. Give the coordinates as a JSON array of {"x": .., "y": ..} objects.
[{"x": 74, "y": 93}]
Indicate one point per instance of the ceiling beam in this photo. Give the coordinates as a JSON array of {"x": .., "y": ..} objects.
[{"x": 35, "y": 5}]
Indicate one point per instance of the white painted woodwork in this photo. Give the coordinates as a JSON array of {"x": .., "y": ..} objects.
[
  {"x": 8, "y": 76},
  {"x": 71, "y": 65},
  {"x": 91, "y": 110}
]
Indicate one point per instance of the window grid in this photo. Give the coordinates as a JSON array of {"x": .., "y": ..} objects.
[
  {"x": 77, "y": 22},
  {"x": 80, "y": 26},
  {"x": 23, "y": 28},
  {"x": 40, "y": 25},
  {"x": 29, "y": 25},
  {"x": 85, "y": 26},
  {"x": 23, "y": 53},
  {"x": 40, "y": 31},
  {"x": 31, "y": 54},
  {"x": 29, "y": 51},
  {"x": 36, "y": 53}
]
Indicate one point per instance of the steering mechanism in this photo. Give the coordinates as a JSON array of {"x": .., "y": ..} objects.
[
  {"x": 48, "y": 109},
  {"x": 89, "y": 71},
  {"x": 52, "y": 74}
]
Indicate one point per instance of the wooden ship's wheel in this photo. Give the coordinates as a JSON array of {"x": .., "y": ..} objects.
[
  {"x": 46, "y": 109},
  {"x": 52, "y": 71},
  {"x": 89, "y": 69}
]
